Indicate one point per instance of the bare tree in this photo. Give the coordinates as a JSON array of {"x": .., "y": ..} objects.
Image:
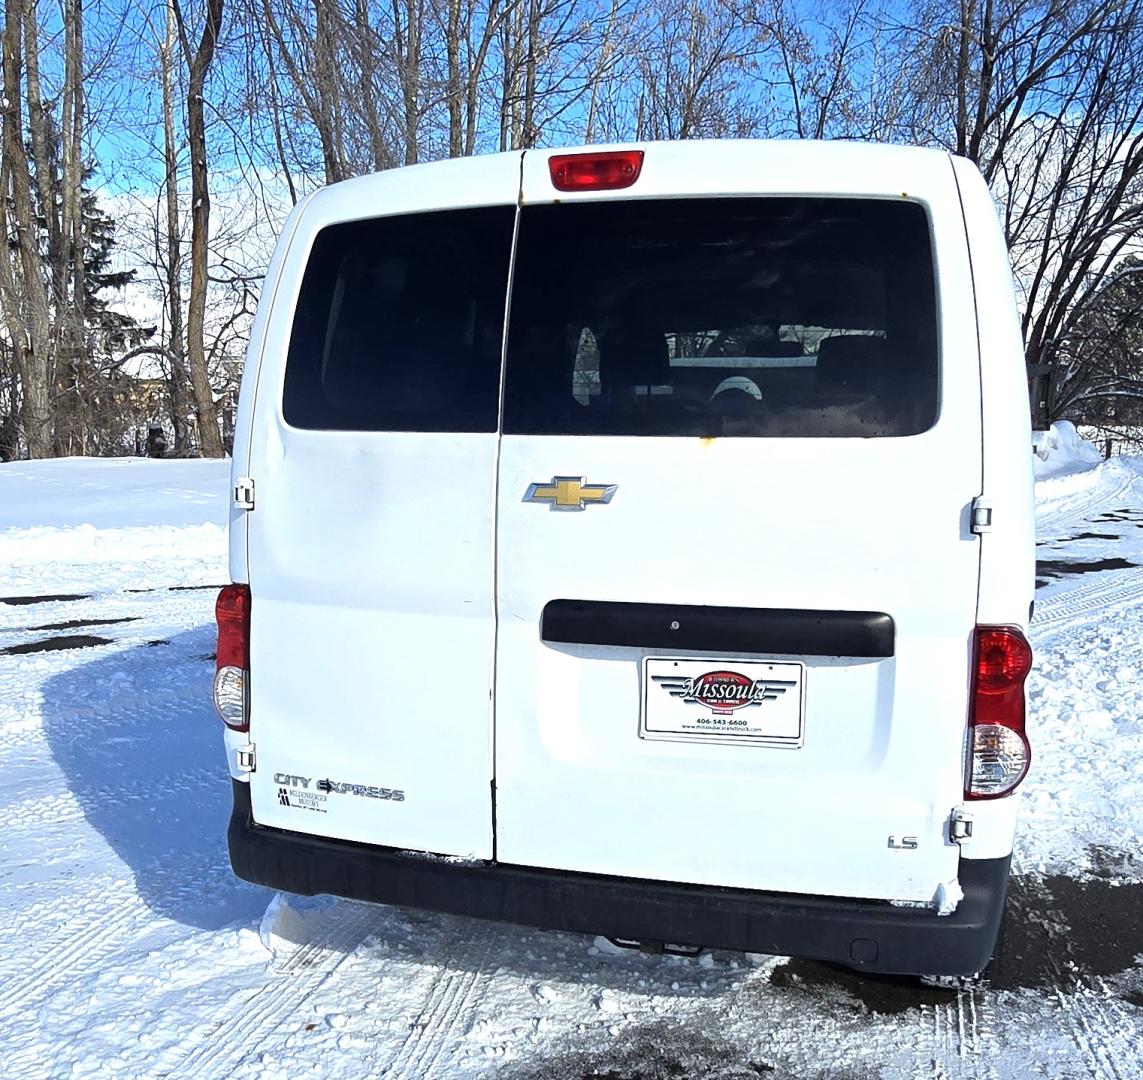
[
  {"x": 180, "y": 390},
  {"x": 692, "y": 65},
  {"x": 1098, "y": 374},
  {"x": 1045, "y": 96},
  {"x": 198, "y": 64},
  {"x": 22, "y": 288},
  {"x": 826, "y": 70},
  {"x": 405, "y": 48},
  {"x": 469, "y": 32}
]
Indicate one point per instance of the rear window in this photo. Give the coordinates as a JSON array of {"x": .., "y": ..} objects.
[
  {"x": 751, "y": 317},
  {"x": 399, "y": 324}
]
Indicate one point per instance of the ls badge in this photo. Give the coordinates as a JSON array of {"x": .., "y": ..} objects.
[{"x": 570, "y": 493}]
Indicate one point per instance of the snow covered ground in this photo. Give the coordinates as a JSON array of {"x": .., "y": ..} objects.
[{"x": 129, "y": 950}]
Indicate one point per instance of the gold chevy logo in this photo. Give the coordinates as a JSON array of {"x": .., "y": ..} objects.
[{"x": 570, "y": 493}]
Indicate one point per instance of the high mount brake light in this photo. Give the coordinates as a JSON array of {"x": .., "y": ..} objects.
[
  {"x": 608, "y": 170},
  {"x": 999, "y": 752},
  {"x": 232, "y": 674}
]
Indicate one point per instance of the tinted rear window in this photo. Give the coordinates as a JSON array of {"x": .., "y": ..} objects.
[
  {"x": 399, "y": 324},
  {"x": 756, "y": 317}
]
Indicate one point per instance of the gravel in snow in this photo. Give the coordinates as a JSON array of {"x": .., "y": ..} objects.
[{"x": 131, "y": 951}]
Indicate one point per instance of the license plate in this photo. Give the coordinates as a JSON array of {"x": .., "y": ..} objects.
[{"x": 739, "y": 701}]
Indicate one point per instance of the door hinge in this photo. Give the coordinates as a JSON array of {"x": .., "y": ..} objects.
[
  {"x": 981, "y": 514},
  {"x": 244, "y": 756},
  {"x": 960, "y": 826},
  {"x": 244, "y": 493}
]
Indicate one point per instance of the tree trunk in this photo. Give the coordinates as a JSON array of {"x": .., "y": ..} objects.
[
  {"x": 407, "y": 37},
  {"x": 210, "y": 440},
  {"x": 317, "y": 104},
  {"x": 454, "y": 96},
  {"x": 72, "y": 413},
  {"x": 528, "y": 132},
  {"x": 43, "y": 159},
  {"x": 28, "y": 322},
  {"x": 73, "y": 170},
  {"x": 180, "y": 390}
]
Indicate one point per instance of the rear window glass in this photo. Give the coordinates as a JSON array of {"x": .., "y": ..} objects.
[
  {"x": 754, "y": 317},
  {"x": 399, "y": 324}
]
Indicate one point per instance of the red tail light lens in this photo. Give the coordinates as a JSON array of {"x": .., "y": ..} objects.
[
  {"x": 999, "y": 752},
  {"x": 1003, "y": 659},
  {"x": 232, "y": 613},
  {"x": 606, "y": 171}
]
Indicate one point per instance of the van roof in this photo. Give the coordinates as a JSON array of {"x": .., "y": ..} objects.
[{"x": 693, "y": 167}]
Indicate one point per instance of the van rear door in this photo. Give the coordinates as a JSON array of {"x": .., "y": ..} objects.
[
  {"x": 371, "y": 540},
  {"x": 737, "y": 580}
]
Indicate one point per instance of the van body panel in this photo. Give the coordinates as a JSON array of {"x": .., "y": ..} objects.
[
  {"x": 373, "y": 640},
  {"x": 993, "y": 825},
  {"x": 1008, "y": 561},
  {"x": 371, "y": 568},
  {"x": 738, "y": 522},
  {"x": 578, "y": 789},
  {"x": 715, "y": 167},
  {"x": 248, "y": 392}
]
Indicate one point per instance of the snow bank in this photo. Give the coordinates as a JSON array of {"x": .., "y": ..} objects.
[
  {"x": 1060, "y": 451},
  {"x": 82, "y": 524},
  {"x": 113, "y": 493}
]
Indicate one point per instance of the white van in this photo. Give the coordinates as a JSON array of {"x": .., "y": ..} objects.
[{"x": 639, "y": 541}]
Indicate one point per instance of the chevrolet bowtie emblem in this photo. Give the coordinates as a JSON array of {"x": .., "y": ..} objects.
[{"x": 569, "y": 493}]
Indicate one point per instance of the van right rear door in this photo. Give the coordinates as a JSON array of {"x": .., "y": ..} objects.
[{"x": 736, "y": 579}]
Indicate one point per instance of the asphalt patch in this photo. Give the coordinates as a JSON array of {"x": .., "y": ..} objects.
[
  {"x": 1117, "y": 515},
  {"x": 72, "y": 624},
  {"x": 661, "y": 1051},
  {"x": 1069, "y": 568},
  {"x": 193, "y": 588},
  {"x": 56, "y": 644},
  {"x": 47, "y": 598},
  {"x": 1057, "y": 923},
  {"x": 1113, "y": 864},
  {"x": 1090, "y": 536}
]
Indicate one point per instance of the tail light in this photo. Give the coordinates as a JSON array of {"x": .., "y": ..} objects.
[
  {"x": 232, "y": 676},
  {"x": 999, "y": 752},
  {"x": 606, "y": 171}
]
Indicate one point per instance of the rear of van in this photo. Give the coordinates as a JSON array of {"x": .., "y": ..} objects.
[{"x": 649, "y": 531}]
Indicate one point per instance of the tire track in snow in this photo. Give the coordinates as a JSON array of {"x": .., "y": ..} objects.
[
  {"x": 220, "y": 1052},
  {"x": 446, "y": 1012},
  {"x": 1105, "y": 591},
  {"x": 956, "y": 1037},
  {"x": 1094, "y": 1018},
  {"x": 1073, "y": 509},
  {"x": 83, "y": 944},
  {"x": 1110, "y": 590}
]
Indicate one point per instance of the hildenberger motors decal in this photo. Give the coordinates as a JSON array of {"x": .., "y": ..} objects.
[
  {"x": 295, "y": 791},
  {"x": 723, "y": 691}
]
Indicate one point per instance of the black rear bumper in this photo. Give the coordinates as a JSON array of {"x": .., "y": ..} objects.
[{"x": 867, "y": 935}]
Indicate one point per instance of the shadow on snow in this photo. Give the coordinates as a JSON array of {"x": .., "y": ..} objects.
[{"x": 138, "y": 741}]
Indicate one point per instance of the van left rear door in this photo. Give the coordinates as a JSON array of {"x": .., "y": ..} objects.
[{"x": 371, "y": 541}]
